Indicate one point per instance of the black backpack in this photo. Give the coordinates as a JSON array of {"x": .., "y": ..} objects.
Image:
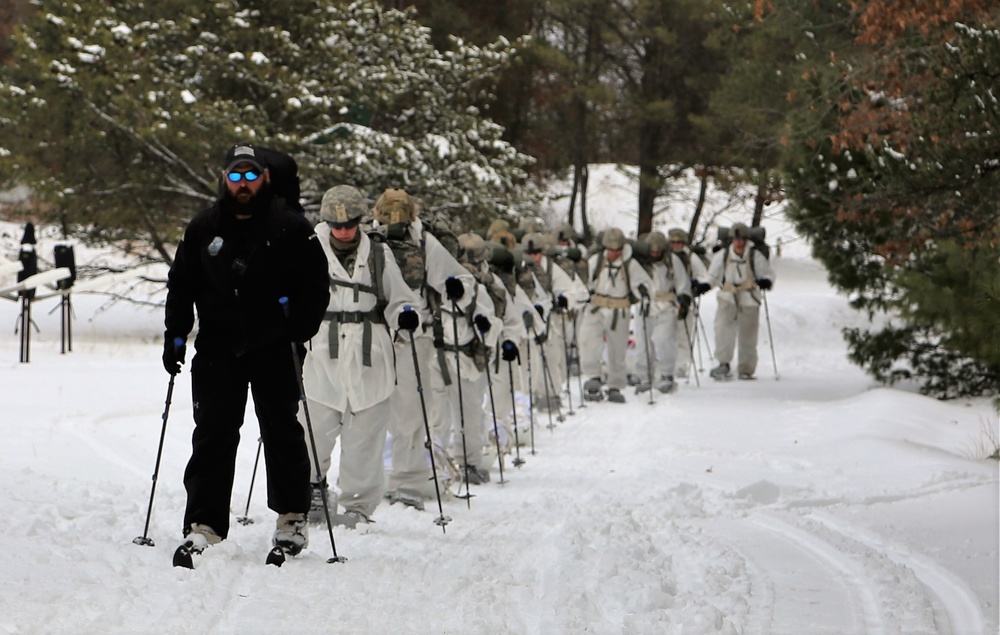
[{"x": 284, "y": 177}]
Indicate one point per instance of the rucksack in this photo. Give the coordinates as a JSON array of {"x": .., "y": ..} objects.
[
  {"x": 494, "y": 289},
  {"x": 757, "y": 235},
  {"x": 409, "y": 256},
  {"x": 284, "y": 177},
  {"x": 445, "y": 236}
]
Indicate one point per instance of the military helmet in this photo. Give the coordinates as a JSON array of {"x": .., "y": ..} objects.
[
  {"x": 395, "y": 206},
  {"x": 740, "y": 230},
  {"x": 676, "y": 234},
  {"x": 531, "y": 224},
  {"x": 565, "y": 232},
  {"x": 498, "y": 225},
  {"x": 657, "y": 242},
  {"x": 342, "y": 204},
  {"x": 472, "y": 247},
  {"x": 613, "y": 238},
  {"x": 534, "y": 243},
  {"x": 500, "y": 257}
]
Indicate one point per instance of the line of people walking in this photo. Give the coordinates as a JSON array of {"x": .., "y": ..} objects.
[{"x": 415, "y": 344}]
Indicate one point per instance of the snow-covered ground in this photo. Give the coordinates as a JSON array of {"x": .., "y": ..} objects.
[{"x": 808, "y": 501}]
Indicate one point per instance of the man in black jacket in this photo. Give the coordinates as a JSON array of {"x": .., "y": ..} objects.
[{"x": 238, "y": 258}]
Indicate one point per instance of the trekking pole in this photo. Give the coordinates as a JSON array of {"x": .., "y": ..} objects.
[
  {"x": 529, "y": 321},
  {"x": 545, "y": 379},
  {"x": 493, "y": 409},
  {"x": 569, "y": 392},
  {"x": 245, "y": 518},
  {"x": 644, "y": 310},
  {"x": 767, "y": 314},
  {"x": 700, "y": 327},
  {"x": 579, "y": 371},
  {"x": 687, "y": 330},
  {"x": 551, "y": 383},
  {"x": 461, "y": 406},
  {"x": 518, "y": 461},
  {"x": 312, "y": 438},
  {"x": 441, "y": 520},
  {"x": 143, "y": 539}
]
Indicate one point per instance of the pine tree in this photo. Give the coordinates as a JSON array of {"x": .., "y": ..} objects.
[
  {"x": 895, "y": 179},
  {"x": 121, "y": 112}
]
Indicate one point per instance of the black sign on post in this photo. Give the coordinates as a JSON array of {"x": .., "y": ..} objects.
[
  {"x": 29, "y": 264},
  {"x": 65, "y": 258}
]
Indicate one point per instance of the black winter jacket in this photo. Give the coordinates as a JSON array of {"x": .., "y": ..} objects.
[{"x": 234, "y": 272}]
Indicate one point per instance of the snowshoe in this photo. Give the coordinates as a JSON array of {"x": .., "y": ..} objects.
[
  {"x": 183, "y": 554},
  {"x": 351, "y": 518},
  {"x": 642, "y": 387},
  {"x": 592, "y": 390},
  {"x": 476, "y": 476},
  {"x": 633, "y": 379},
  {"x": 291, "y": 534},
  {"x": 666, "y": 384},
  {"x": 615, "y": 396},
  {"x": 407, "y": 497},
  {"x": 316, "y": 502},
  {"x": 720, "y": 372},
  {"x": 198, "y": 538}
]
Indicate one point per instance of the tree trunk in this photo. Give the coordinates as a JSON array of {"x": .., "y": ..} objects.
[
  {"x": 584, "y": 180},
  {"x": 703, "y": 176},
  {"x": 649, "y": 178}
]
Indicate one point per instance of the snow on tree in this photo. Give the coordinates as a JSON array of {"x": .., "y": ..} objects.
[{"x": 120, "y": 113}]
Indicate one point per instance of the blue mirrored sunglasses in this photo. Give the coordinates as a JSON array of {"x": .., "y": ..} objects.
[{"x": 249, "y": 175}]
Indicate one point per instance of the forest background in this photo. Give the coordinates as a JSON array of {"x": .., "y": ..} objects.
[{"x": 873, "y": 123}]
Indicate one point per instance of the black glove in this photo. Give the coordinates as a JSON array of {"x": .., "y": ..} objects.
[
  {"x": 482, "y": 323},
  {"x": 529, "y": 320},
  {"x": 408, "y": 320},
  {"x": 698, "y": 288},
  {"x": 764, "y": 283},
  {"x": 540, "y": 338},
  {"x": 454, "y": 288},
  {"x": 541, "y": 310},
  {"x": 684, "y": 303},
  {"x": 508, "y": 351},
  {"x": 173, "y": 354},
  {"x": 562, "y": 302},
  {"x": 644, "y": 292}
]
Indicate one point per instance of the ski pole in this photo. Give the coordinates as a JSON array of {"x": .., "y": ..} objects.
[
  {"x": 552, "y": 383},
  {"x": 493, "y": 409},
  {"x": 576, "y": 352},
  {"x": 441, "y": 520},
  {"x": 549, "y": 384},
  {"x": 704, "y": 334},
  {"x": 143, "y": 539},
  {"x": 569, "y": 392},
  {"x": 518, "y": 461},
  {"x": 687, "y": 331},
  {"x": 644, "y": 310},
  {"x": 312, "y": 438},
  {"x": 529, "y": 321},
  {"x": 767, "y": 314},
  {"x": 245, "y": 518},
  {"x": 461, "y": 406}
]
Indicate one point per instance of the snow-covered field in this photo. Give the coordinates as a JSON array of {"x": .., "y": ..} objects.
[
  {"x": 813, "y": 503},
  {"x": 808, "y": 501}
]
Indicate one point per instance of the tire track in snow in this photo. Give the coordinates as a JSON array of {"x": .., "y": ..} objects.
[
  {"x": 799, "y": 583},
  {"x": 957, "y": 600}
]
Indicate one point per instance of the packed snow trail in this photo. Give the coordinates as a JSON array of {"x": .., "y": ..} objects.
[{"x": 773, "y": 507}]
